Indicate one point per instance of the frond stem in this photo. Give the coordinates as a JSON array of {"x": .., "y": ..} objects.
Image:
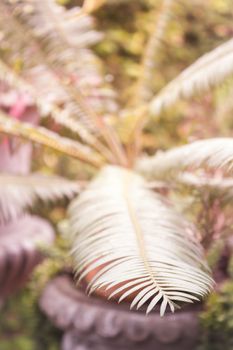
[
  {"x": 50, "y": 139},
  {"x": 139, "y": 234},
  {"x": 149, "y": 62},
  {"x": 7, "y": 74},
  {"x": 108, "y": 133}
]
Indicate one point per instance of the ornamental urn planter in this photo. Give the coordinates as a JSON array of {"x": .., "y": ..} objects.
[
  {"x": 19, "y": 253},
  {"x": 95, "y": 323},
  {"x": 20, "y": 234},
  {"x": 91, "y": 323}
]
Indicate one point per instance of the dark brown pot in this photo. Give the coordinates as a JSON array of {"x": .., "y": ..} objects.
[
  {"x": 92, "y": 323},
  {"x": 19, "y": 253}
]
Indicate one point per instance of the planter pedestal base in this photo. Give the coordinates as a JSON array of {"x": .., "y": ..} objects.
[
  {"x": 19, "y": 240},
  {"x": 90, "y": 323}
]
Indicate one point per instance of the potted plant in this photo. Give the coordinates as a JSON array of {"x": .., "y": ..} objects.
[{"x": 129, "y": 243}]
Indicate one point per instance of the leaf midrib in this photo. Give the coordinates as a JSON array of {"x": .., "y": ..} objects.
[{"x": 128, "y": 178}]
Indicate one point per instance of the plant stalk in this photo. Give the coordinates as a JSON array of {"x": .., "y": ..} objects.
[{"x": 50, "y": 139}]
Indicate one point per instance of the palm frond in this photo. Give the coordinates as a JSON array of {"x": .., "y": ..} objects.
[
  {"x": 48, "y": 138},
  {"x": 215, "y": 153},
  {"x": 224, "y": 108},
  {"x": 20, "y": 192},
  {"x": 220, "y": 187},
  {"x": 137, "y": 243},
  {"x": 92, "y": 5},
  {"x": 144, "y": 92},
  {"x": 47, "y": 94},
  {"x": 202, "y": 180},
  {"x": 42, "y": 32},
  {"x": 208, "y": 71},
  {"x": 58, "y": 36},
  {"x": 150, "y": 60},
  {"x": 63, "y": 36},
  {"x": 45, "y": 98}
]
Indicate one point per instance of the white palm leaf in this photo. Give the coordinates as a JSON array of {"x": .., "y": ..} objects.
[
  {"x": 220, "y": 187},
  {"x": 202, "y": 180},
  {"x": 208, "y": 71},
  {"x": 20, "y": 192},
  {"x": 137, "y": 241},
  {"x": 46, "y": 35},
  {"x": 215, "y": 153},
  {"x": 64, "y": 35},
  {"x": 47, "y": 94},
  {"x": 36, "y": 78},
  {"x": 90, "y": 6}
]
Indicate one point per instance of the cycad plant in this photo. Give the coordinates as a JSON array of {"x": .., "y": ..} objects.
[{"x": 127, "y": 238}]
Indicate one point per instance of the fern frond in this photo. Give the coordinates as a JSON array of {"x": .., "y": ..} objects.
[
  {"x": 20, "y": 192},
  {"x": 50, "y": 139},
  {"x": 215, "y": 153},
  {"x": 136, "y": 242},
  {"x": 208, "y": 71}
]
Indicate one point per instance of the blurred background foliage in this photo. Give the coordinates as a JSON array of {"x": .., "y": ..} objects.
[
  {"x": 23, "y": 327},
  {"x": 196, "y": 27},
  {"x": 217, "y": 320}
]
